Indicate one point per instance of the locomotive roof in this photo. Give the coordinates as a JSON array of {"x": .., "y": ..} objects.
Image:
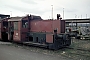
[{"x": 15, "y": 19}]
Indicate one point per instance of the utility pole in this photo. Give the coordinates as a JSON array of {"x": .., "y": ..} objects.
[
  {"x": 86, "y": 15},
  {"x": 52, "y": 12},
  {"x": 81, "y": 16},
  {"x": 63, "y": 13},
  {"x": 75, "y": 16},
  {"x": 11, "y": 13}
]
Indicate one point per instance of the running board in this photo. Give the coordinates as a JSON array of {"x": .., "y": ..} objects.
[{"x": 35, "y": 44}]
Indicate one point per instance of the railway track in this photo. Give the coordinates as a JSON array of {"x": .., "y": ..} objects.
[
  {"x": 41, "y": 46},
  {"x": 78, "y": 52},
  {"x": 77, "y": 49}
]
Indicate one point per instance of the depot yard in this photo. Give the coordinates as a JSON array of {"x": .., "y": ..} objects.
[{"x": 78, "y": 50}]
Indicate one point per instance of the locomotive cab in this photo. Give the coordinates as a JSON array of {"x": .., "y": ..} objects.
[{"x": 18, "y": 27}]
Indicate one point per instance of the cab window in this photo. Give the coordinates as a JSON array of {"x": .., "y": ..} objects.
[
  {"x": 15, "y": 25},
  {"x": 5, "y": 23},
  {"x": 24, "y": 24}
]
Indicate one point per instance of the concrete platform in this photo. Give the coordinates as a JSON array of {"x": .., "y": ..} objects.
[{"x": 16, "y": 53}]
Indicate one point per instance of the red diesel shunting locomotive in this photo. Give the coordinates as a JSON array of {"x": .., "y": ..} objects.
[{"x": 33, "y": 30}]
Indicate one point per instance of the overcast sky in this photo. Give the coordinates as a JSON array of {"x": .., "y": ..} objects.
[{"x": 72, "y": 8}]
